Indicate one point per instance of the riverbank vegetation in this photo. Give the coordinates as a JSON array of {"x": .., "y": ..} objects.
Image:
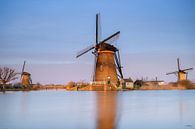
[
  {"x": 6, "y": 76},
  {"x": 181, "y": 85},
  {"x": 73, "y": 86}
]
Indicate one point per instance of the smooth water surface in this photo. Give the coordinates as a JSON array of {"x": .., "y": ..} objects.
[{"x": 98, "y": 110}]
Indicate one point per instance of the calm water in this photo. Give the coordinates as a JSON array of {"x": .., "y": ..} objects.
[{"x": 97, "y": 110}]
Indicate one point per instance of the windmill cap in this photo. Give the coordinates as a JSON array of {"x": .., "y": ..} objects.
[
  {"x": 105, "y": 46},
  {"x": 26, "y": 73}
]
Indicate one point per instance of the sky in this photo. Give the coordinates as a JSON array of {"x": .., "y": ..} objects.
[{"x": 49, "y": 33}]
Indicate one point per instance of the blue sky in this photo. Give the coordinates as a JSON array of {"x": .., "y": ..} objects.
[{"x": 48, "y": 34}]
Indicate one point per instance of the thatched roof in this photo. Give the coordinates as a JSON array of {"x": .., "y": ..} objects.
[
  {"x": 26, "y": 73},
  {"x": 106, "y": 46},
  {"x": 128, "y": 80}
]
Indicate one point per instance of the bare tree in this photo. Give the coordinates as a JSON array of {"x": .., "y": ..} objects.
[{"x": 7, "y": 75}]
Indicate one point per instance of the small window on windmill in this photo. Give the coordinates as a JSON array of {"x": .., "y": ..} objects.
[{"x": 101, "y": 68}]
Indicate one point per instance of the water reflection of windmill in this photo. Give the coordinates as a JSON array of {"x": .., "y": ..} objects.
[
  {"x": 107, "y": 57},
  {"x": 107, "y": 111},
  {"x": 25, "y": 77},
  {"x": 182, "y": 74}
]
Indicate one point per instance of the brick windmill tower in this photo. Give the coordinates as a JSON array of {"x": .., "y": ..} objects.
[
  {"x": 26, "y": 80},
  {"x": 107, "y": 64},
  {"x": 181, "y": 74}
]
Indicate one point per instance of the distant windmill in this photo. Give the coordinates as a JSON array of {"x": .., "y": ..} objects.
[
  {"x": 107, "y": 57},
  {"x": 25, "y": 77},
  {"x": 182, "y": 74}
]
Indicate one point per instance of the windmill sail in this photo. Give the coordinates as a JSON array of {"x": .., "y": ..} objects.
[
  {"x": 112, "y": 37},
  {"x": 98, "y": 29},
  {"x": 187, "y": 69},
  {"x": 23, "y": 67},
  {"x": 178, "y": 65},
  {"x": 172, "y": 73},
  {"x": 119, "y": 67},
  {"x": 85, "y": 50}
]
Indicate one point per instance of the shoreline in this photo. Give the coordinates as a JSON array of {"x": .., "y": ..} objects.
[
  {"x": 108, "y": 87},
  {"x": 64, "y": 89}
]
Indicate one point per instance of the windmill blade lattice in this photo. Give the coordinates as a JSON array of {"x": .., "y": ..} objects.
[
  {"x": 172, "y": 73},
  {"x": 187, "y": 69},
  {"x": 85, "y": 50},
  {"x": 23, "y": 67},
  {"x": 98, "y": 29},
  {"x": 112, "y": 38},
  {"x": 119, "y": 67}
]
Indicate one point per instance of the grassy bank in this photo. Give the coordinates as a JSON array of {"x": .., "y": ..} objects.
[{"x": 33, "y": 87}]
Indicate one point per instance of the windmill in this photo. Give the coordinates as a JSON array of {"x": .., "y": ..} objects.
[
  {"x": 182, "y": 74},
  {"x": 25, "y": 77},
  {"x": 107, "y": 57}
]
